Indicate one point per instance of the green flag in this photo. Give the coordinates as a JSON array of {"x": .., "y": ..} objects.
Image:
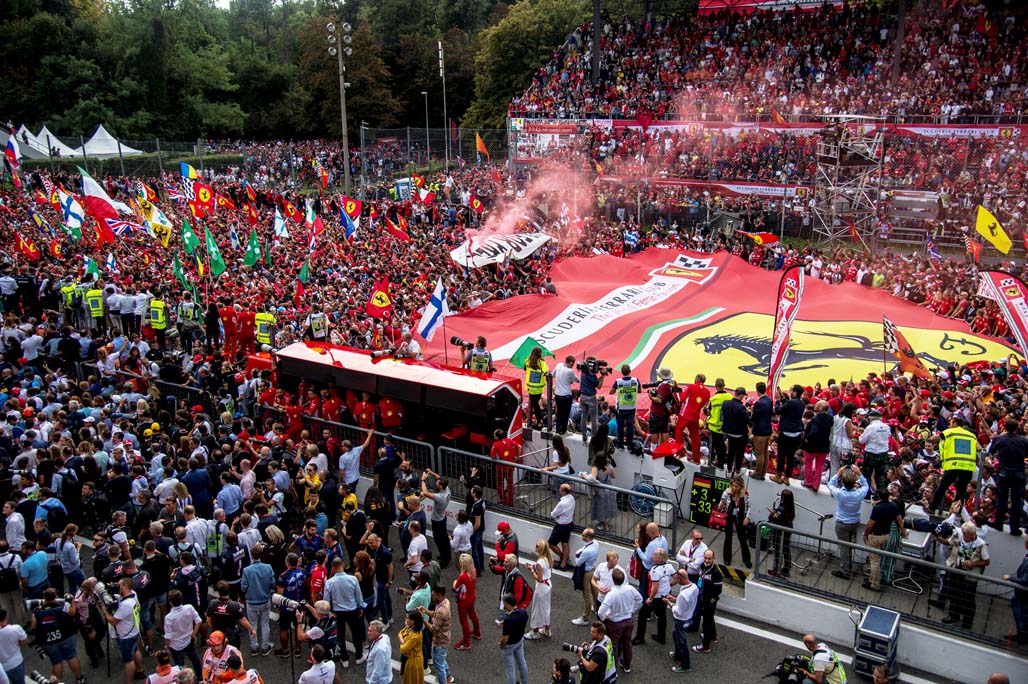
[
  {"x": 189, "y": 240},
  {"x": 304, "y": 275},
  {"x": 521, "y": 355},
  {"x": 176, "y": 268},
  {"x": 75, "y": 233},
  {"x": 217, "y": 263},
  {"x": 253, "y": 249},
  {"x": 91, "y": 268}
]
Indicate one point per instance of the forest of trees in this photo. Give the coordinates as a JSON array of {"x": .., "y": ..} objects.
[{"x": 182, "y": 69}]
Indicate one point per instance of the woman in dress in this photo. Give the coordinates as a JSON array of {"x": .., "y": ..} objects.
[
  {"x": 464, "y": 589},
  {"x": 603, "y": 502},
  {"x": 412, "y": 662},
  {"x": 364, "y": 571},
  {"x": 541, "y": 570}
]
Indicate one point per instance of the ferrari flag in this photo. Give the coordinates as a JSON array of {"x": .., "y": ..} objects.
[
  {"x": 1011, "y": 295},
  {"x": 897, "y": 345},
  {"x": 790, "y": 292},
  {"x": 380, "y": 304},
  {"x": 988, "y": 227}
]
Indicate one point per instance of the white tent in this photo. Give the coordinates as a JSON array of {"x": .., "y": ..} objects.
[
  {"x": 29, "y": 146},
  {"x": 103, "y": 145},
  {"x": 45, "y": 137}
]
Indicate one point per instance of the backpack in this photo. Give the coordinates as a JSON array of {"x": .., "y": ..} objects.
[
  {"x": 525, "y": 599},
  {"x": 9, "y": 581},
  {"x": 56, "y": 517}
]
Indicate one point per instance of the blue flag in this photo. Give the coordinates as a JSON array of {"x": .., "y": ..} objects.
[{"x": 347, "y": 222}]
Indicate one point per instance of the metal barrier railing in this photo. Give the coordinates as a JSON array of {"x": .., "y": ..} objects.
[
  {"x": 530, "y": 492},
  {"x": 421, "y": 454},
  {"x": 923, "y": 592}
]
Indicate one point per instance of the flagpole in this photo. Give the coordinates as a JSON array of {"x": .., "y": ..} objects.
[{"x": 446, "y": 344}]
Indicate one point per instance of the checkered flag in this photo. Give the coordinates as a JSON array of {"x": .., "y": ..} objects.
[
  {"x": 889, "y": 335},
  {"x": 188, "y": 190},
  {"x": 692, "y": 262}
]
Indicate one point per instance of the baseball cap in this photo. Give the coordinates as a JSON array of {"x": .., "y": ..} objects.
[
  {"x": 216, "y": 637},
  {"x": 504, "y": 526}
]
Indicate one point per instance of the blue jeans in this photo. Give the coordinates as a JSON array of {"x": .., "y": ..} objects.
[
  {"x": 681, "y": 643},
  {"x": 514, "y": 656},
  {"x": 1020, "y": 616},
  {"x": 75, "y": 578},
  {"x": 383, "y": 602},
  {"x": 16, "y": 675},
  {"x": 439, "y": 666},
  {"x": 477, "y": 553}
]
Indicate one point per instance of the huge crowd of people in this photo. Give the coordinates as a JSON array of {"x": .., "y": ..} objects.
[{"x": 956, "y": 62}]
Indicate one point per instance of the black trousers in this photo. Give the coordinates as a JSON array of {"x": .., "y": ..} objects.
[
  {"x": 351, "y": 619},
  {"x": 709, "y": 628},
  {"x": 735, "y": 525},
  {"x": 787, "y": 447},
  {"x": 563, "y": 412},
  {"x": 1011, "y": 486},
  {"x": 736, "y": 452},
  {"x": 656, "y": 607},
  {"x": 442, "y": 542},
  {"x": 960, "y": 478},
  {"x": 718, "y": 449}
]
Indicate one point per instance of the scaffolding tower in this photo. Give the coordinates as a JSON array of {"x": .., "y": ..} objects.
[{"x": 847, "y": 188}]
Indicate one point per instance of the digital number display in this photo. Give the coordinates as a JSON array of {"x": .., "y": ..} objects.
[{"x": 704, "y": 497}]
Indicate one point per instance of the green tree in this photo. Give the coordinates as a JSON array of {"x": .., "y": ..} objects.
[{"x": 513, "y": 50}]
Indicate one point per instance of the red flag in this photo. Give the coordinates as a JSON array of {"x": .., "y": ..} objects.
[
  {"x": 453, "y": 131},
  {"x": 352, "y": 207},
  {"x": 419, "y": 181},
  {"x": 27, "y": 248},
  {"x": 225, "y": 202},
  {"x": 761, "y": 238},
  {"x": 291, "y": 212},
  {"x": 599, "y": 167},
  {"x": 298, "y": 294},
  {"x": 55, "y": 250},
  {"x": 251, "y": 213},
  {"x": 40, "y": 198},
  {"x": 777, "y": 118},
  {"x": 204, "y": 195},
  {"x": 251, "y": 194},
  {"x": 790, "y": 292},
  {"x": 373, "y": 211},
  {"x": 974, "y": 248},
  {"x": 853, "y": 231},
  {"x": 380, "y": 304},
  {"x": 476, "y": 204},
  {"x": 396, "y": 231}
]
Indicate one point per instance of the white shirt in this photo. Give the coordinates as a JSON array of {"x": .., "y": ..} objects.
[
  {"x": 249, "y": 537},
  {"x": 564, "y": 512},
  {"x": 690, "y": 556},
  {"x": 15, "y": 530},
  {"x": 685, "y": 604},
  {"x": 661, "y": 574},
  {"x": 178, "y": 626},
  {"x": 417, "y": 545},
  {"x": 165, "y": 490},
  {"x": 603, "y": 578},
  {"x": 563, "y": 378},
  {"x": 461, "y": 540},
  {"x": 10, "y": 650},
  {"x": 319, "y": 673},
  {"x": 621, "y": 603},
  {"x": 875, "y": 437},
  {"x": 198, "y": 531}
]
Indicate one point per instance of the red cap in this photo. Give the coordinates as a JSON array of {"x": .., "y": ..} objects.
[{"x": 504, "y": 526}]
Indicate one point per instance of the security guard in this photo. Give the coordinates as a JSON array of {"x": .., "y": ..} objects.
[
  {"x": 159, "y": 321},
  {"x": 959, "y": 450},
  {"x": 68, "y": 300},
  {"x": 627, "y": 390},
  {"x": 478, "y": 359},
  {"x": 188, "y": 321},
  {"x": 265, "y": 326},
  {"x": 95, "y": 306},
  {"x": 718, "y": 448}
]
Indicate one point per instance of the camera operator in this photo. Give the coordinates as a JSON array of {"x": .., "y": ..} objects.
[
  {"x": 593, "y": 373},
  {"x": 478, "y": 358},
  {"x": 90, "y": 620},
  {"x": 126, "y": 628},
  {"x": 409, "y": 348},
  {"x": 596, "y": 660},
  {"x": 53, "y": 623}
]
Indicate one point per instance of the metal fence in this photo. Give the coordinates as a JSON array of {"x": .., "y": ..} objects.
[{"x": 924, "y": 592}]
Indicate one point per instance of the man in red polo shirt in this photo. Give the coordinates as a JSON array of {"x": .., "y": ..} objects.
[
  {"x": 228, "y": 320},
  {"x": 246, "y": 323},
  {"x": 390, "y": 412},
  {"x": 694, "y": 397},
  {"x": 509, "y": 451}
]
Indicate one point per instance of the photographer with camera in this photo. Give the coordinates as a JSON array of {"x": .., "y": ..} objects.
[
  {"x": 593, "y": 373},
  {"x": 126, "y": 629},
  {"x": 596, "y": 659},
  {"x": 90, "y": 620},
  {"x": 477, "y": 359},
  {"x": 53, "y": 623}
]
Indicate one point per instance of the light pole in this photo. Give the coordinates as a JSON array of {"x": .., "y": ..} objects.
[
  {"x": 341, "y": 34},
  {"x": 446, "y": 122},
  {"x": 364, "y": 160},
  {"x": 428, "y": 145}
]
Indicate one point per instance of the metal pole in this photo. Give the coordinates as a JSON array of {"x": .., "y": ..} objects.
[
  {"x": 199, "y": 152},
  {"x": 85, "y": 159},
  {"x": 342, "y": 114},
  {"x": 121, "y": 159},
  {"x": 408, "y": 143},
  {"x": 50, "y": 153},
  {"x": 428, "y": 144},
  {"x": 364, "y": 160},
  {"x": 160, "y": 163},
  {"x": 446, "y": 121}
]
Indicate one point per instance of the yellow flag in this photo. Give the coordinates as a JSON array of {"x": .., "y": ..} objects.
[{"x": 988, "y": 227}]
